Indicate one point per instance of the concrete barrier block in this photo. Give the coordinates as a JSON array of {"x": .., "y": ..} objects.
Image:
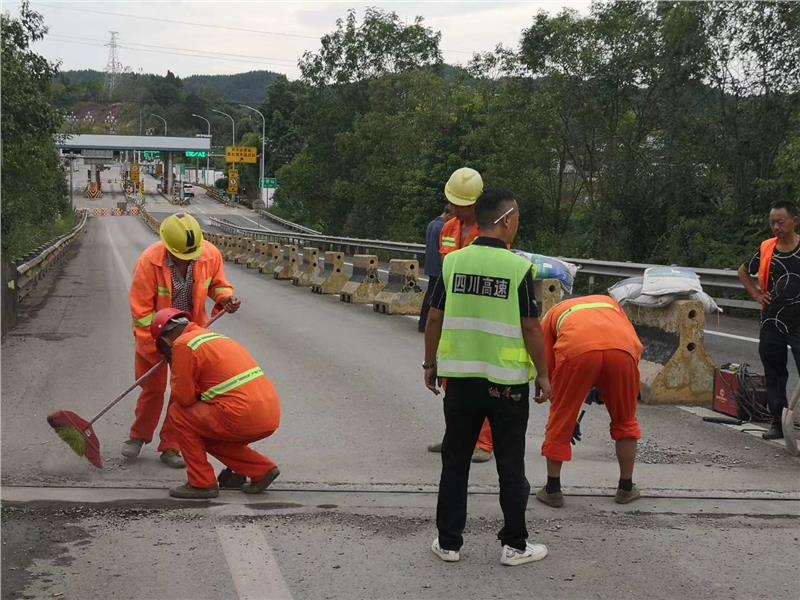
[
  {"x": 333, "y": 277},
  {"x": 308, "y": 269},
  {"x": 233, "y": 247},
  {"x": 364, "y": 285},
  {"x": 272, "y": 259},
  {"x": 547, "y": 292},
  {"x": 288, "y": 268},
  {"x": 247, "y": 249},
  {"x": 258, "y": 255},
  {"x": 675, "y": 367},
  {"x": 402, "y": 294}
]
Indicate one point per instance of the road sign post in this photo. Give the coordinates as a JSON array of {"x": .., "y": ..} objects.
[{"x": 233, "y": 181}]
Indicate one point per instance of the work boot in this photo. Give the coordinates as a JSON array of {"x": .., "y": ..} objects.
[
  {"x": 228, "y": 479},
  {"x": 171, "y": 458},
  {"x": 435, "y": 447},
  {"x": 480, "y": 455},
  {"x": 189, "y": 491},
  {"x": 256, "y": 487},
  {"x": 554, "y": 499},
  {"x": 132, "y": 448},
  {"x": 625, "y": 496},
  {"x": 775, "y": 432}
]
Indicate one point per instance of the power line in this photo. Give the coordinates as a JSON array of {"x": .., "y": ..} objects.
[
  {"x": 119, "y": 45},
  {"x": 178, "y": 22},
  {"x": 195, "y": 51},
  {"x": 197, "y": 24}
]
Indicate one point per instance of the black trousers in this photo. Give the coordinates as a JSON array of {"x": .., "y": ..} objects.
[
  {"x": 426, "y": 302},
  {"x": 774, "y": 355},
  {"x": 466, "y": 403}
]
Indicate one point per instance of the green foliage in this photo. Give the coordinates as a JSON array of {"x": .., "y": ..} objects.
[
  {"x": 651, "y": 131},
  {"x": 381, "y": 44},
  {"x": 247, "y": 88},
  {"x": 35, "y": 204}
]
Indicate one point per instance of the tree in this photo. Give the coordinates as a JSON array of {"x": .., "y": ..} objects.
[
  {"x": 34, "y": 190},
  {"x": 381, "y": 44}
]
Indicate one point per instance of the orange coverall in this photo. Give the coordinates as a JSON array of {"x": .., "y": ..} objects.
[
  {"x": 587, "y": 347},
  {"x": 450, "y": 241},
  {"x": 221, "y": 401},
  {"x": 151, "y": 290}
]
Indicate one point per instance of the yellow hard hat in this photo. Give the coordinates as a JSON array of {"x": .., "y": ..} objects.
[
  {"x": 182, "y": 236},
  {"x": 464, "y": 187}
]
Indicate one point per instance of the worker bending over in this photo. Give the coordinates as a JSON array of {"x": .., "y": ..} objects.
[
  {"x": 221, "y": 402},
  {"x": 590, "y": 343},
  {"x": 180, "y": 271}
]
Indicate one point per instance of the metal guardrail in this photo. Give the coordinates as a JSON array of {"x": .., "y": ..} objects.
[
  {"x": 29, "y": 272},
  {"x": 287, "y": 224},
  {"x": 344, "y": 244},
  {"x": 724, "y": 279}
]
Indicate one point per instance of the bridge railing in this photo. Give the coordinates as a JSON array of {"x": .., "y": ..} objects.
[
  {"x": 30, "y": 271},
  {"x": 724, "y": 280},
  {"x": 20, "y": 278},
  {"x": 288, "y": 224}
]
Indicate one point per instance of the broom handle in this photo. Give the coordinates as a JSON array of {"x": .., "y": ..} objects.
[{"x": 144, "y": 377}]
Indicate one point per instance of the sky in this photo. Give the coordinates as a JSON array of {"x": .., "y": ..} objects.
[{"x": 191, "y": 37}]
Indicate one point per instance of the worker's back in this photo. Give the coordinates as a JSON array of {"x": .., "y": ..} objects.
[
  {"x": 589, "y": 323},
  {"x": 225, "y": 372}
]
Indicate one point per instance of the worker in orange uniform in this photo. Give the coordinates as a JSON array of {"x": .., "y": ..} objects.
[
  {"x": 180, "y": 271},
  {"x": 221, "y": 402},
  {"x": 462, "y": 192},
  {"x": 590, "y": 343}
]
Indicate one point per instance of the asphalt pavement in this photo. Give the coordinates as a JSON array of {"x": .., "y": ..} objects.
[{"x": 352, "y": 514}]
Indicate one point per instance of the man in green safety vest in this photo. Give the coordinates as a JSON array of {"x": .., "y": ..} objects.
[{"x": 482, "y": 332}]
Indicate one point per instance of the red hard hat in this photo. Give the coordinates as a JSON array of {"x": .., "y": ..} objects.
[{"x": 164, "y": 316}]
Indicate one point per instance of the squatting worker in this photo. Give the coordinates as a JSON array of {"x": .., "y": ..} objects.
[
  {"x": 180, "y": 271},
  {"x": 221, "y": 402},
  {"x": 433, "y": 261},
  {"x": 482, "y": 332},
  {"x": 590, "y": 343},
  {"x": 462, "y": 191},
  {"x": 777, "y": 264}
]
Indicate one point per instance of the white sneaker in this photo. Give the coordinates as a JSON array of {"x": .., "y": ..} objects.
[
  {"x": 445, "y": 555},
  {"x": 512, "y": 557}
]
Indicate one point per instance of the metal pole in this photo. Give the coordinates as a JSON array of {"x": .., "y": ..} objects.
[
  {"x": 263, "y": 144},
  {"x": 205, "y": 179},
  {"x": 71, "y": 198},
  {"x": 233, "y": 139},
  {"x": 163, "y": 119}
]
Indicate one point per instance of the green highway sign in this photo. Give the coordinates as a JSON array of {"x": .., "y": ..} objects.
[
  {"x": 151, "y": 155},
  {"x": 196, "y": 154},
  {"x": 269, "y": 182}
]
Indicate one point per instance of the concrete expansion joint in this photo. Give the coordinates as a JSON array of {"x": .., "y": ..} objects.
[{"x": 103, "y": 494}]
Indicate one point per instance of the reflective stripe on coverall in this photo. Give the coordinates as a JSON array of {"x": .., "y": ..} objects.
[
  {"x": 151, "y": 290},
  {"x": 590, "y": 342},
  {"x": 222, "y": 401}
]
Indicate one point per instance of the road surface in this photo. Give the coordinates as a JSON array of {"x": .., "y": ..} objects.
[{"x": 352, "y": 514}]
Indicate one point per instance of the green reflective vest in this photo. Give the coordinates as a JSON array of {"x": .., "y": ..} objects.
[{"x": 482, "y": 329}]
